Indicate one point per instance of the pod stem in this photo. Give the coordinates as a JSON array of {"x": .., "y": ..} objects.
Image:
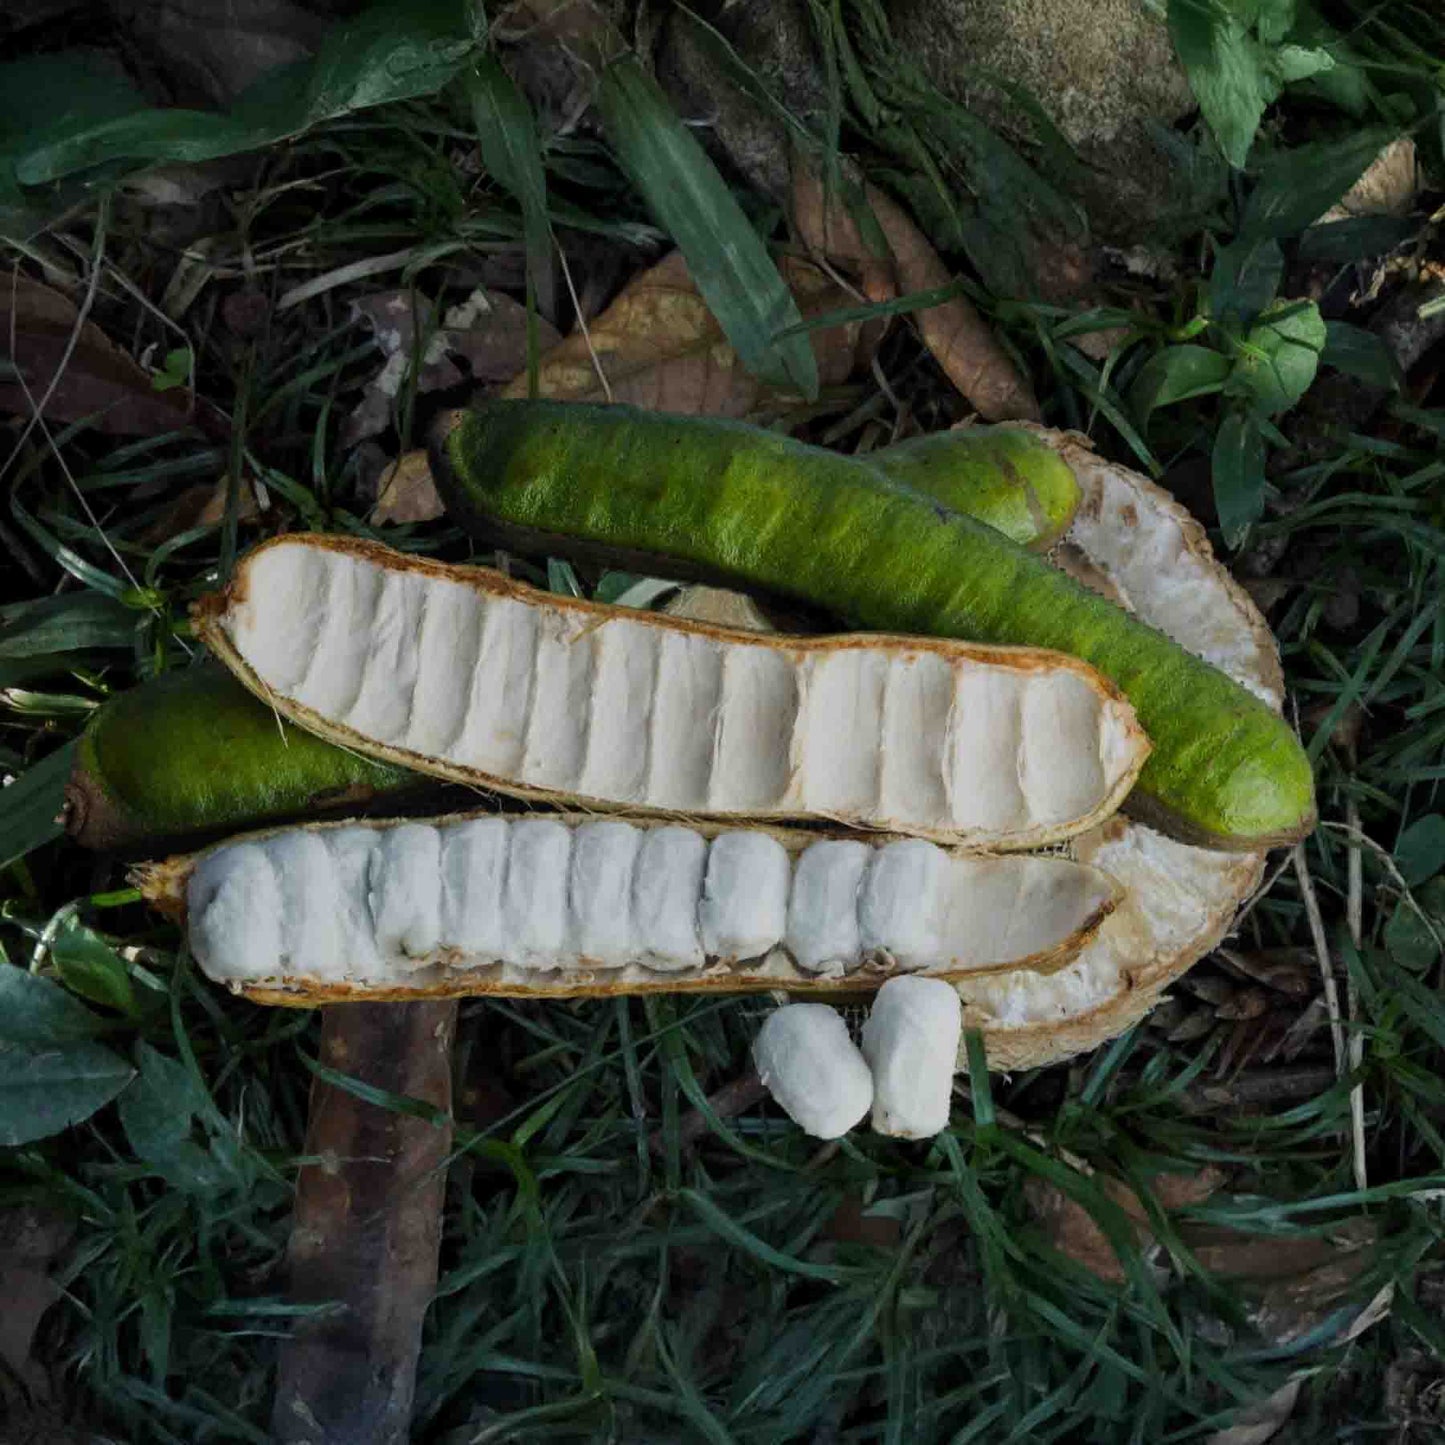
[{"x": 366, "y": 1228}]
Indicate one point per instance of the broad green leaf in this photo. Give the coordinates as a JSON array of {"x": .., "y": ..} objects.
[
  {"x": 1238, "y": 471},
  {"x": 1226, "y": 68},
  {"x": 91, "y": 967},
  {"x": 158, "y": 1113},
  {"x": 1357, "y": 238},
  {"x": 30, "y": 805},
  {"x": 1245, "y": 278},
  {"x": 69, "y": 623},
  {"x": 1360, "y": 353},
  {"x": 512, "y": 155},
  {"x": 690, "y": 200},
  {"x": 1280, "y": 355},
  {"x": 1176, "y": 374},
  {"x": 45, "y": 1088},
  {"x": 1420, "y": 853},
  {"x": 1296, "y": 187},
  {"x": 1410, "y": 938},
  {"x": 36, "y": 1012},
  {"x": 395, "y": 50}
]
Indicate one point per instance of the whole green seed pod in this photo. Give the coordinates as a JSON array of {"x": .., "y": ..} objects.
[
  {"x": 193, "y": 753},
  {"x": 709, "y": 499},
  {"x": 999, "y": 475}
]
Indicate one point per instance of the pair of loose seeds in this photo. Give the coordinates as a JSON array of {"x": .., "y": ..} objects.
[{"x": 903, "y": 1071}]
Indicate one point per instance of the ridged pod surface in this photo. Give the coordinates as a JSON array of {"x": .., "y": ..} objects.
[
  {"x": 193, "y": 752},
  {"x": 682, "y": 494}
]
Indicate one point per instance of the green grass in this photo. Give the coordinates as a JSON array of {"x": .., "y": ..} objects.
[{"x": 600, "y": 1279}]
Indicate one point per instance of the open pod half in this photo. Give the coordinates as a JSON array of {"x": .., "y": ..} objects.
[
  {"x": 467, "y": 674},
  {"x": 1134, "y": 541},
  {"x": 565, "y": 904}
]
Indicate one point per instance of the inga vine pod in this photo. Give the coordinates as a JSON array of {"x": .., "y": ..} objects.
[
  {"x": 470, "y": 675},
  {"x": 559, "y": 905},
  {"x": 685, "y": 495},
  {"x": 192, "y": 752}
]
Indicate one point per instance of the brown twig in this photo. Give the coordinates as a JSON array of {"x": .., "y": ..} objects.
[
  {"x": 733, "y": 1098},
  {"x": 366, "y": 1228},
  {"x": 1322, "y": 952}
]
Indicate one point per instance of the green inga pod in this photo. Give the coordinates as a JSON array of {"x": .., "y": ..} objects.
[
  {"x": 194, "y": 753},
  {"x": 706, "y": 498},
  {"x": 999, "y": 475}
]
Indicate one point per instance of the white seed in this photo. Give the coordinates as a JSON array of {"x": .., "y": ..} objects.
[
  {"x": 480, "y": 679},
  {"x": 910, "y": 1040},
  {"x": 377, "y": 903},
  {"x": 808, "y": 1063}
]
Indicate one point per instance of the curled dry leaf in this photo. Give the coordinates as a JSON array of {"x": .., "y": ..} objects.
[
  {"x": 1387, "y": 188},
  {"x": 98, "y": 380},
  {"x": 488, "y": 331},
  {"x": 959, "y": 338},
  {"x": 1261, "y": 1421},
  {"x": 1073, "y": 1231},
  {"x": 408, "y": 493},
  {"x": 662, "y": 349}
]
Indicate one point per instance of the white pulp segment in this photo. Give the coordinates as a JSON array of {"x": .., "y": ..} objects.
[
  {"x": 823, "y": 934},
  {"x": 910, "y": 1040},
  {"x": 810, "y": 1065},
  {"x": 744, "y": 906},
  {"x": 375, "y": 903},
  {"x": 618, "y": 709}
]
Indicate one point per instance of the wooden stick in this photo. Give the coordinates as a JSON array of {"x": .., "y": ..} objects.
[{"x": 366, "y": 1228}]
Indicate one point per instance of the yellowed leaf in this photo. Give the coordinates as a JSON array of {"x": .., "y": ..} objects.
[
  {"x": 660, "y": 348},
  {"x": 408, "y": 493},
  {"x": 958, "y": 336}
]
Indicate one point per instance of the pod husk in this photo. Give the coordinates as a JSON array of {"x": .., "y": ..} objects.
[
  {"x": 210, "y": 616},
  {"x": 163, "y": 885},
  {"x": 191, "y": 755},
  {"x": 1028, "y": 1020}
]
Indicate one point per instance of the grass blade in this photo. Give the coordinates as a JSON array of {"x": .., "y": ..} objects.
[{"x": 690, "y": 200}]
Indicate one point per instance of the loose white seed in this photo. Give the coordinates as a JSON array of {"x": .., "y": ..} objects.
[
  {"x": 910, "y": 1040},
  {"x": 809, "y": 1064}
]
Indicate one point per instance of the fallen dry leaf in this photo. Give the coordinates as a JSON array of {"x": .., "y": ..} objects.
[
  {"x": 99, "y": 380},
  {"x": 32, "y": 1240},
  {"x": 203, "y": 505},
  {"x": 1261, "y": 1421},
  {"x": 959, "y": 338},
  {"x": 489, "y": 332},
  {"x": 1074, "y": 1232},
  {"x": 1387, "y": 188},
  {"x": 662, "y": 349},
  {"x": 408, "y": 493}
]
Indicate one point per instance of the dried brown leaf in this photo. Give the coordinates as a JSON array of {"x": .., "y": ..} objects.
[
  {"x": 98, "y": 380},
  {"x": 32, "y": 1240},
  {"x": 408, "y": 493},
  {"x": 1261, "y": 1421},
  {"x": 203, "y": 505},
  {"x": 1387, "y": 188},
  {"x": 662, "y": 349},
  {"x": 958, "y": 336},
  {"x": 488, "y": 331},
  {"x": 1074, "y": 1232}
]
